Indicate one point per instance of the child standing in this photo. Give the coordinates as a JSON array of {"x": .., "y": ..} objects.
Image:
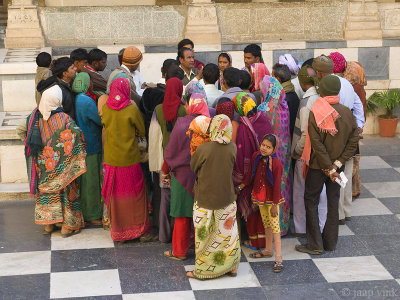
[{"x": 265, "y": 177}]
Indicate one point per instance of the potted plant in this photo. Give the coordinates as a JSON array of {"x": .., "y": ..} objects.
[{"x": 388, "y": 100}]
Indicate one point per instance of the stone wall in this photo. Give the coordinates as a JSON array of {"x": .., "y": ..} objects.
[
  {"x": 88, "y": 26},
  {"x": 311, "y": 20}
]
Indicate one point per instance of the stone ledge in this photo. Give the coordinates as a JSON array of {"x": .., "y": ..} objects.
[{"x": 14, "y": 191}]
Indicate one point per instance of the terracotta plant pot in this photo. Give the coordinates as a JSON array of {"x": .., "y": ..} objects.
[{"x": 387, "y": 127}]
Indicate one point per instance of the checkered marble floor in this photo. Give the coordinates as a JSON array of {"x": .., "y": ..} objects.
[{"x": 89, "y": 265}]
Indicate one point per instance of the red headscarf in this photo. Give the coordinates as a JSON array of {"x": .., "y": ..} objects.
[
  {"x": 198, "y": 105},
  {"x": 172, "y": 98},
  {"x": 119, "y": 94},
  {"x": 339, "y": 62},
  {"x": 258, "y": 71}
]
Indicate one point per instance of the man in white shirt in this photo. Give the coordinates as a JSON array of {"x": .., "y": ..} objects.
[{"x": 210, "y": 76}]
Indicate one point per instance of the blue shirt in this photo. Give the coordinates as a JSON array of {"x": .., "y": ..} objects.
[
  {"x": 350, "y": 99},
  {"x": 88, "y": 119}
]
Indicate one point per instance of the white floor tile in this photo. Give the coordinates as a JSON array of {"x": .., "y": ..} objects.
[
  {"x": 288, "y": 252},
  {"x": 369, "y": 207},
  {"x": 383, "y": 189},
  {"x": 24, "y": 263},
  {"x": 397, "y": 169},
  {"x": 398, "y": 216},
  {"x": 178, "y": 295},
  {"x": 373, "y": 162},
  {"x": 245, "y": 278},
  {"x": 358, "y": 268},
  {"x": 86, "y": 239},
  {"x": 84, "y": 284},
  {"x": 344, "y": 230}
]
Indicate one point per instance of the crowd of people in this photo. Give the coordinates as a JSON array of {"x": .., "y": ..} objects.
[{"x": 222, "y": 156}]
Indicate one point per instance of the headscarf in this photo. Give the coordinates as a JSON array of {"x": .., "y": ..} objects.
[
  {"x": 221, "y": 129},
  {"x": 354, "y": 73},
  {"x": 244, "y": 104},
  {"x": 198, "y": 105},
  {"x": 339, "y": 62},
  {"x": 225, "y": 106},
  {"x": 292, "y": 63},
  {"x": 323, "y": 64},
  {"x": 81, "y": 83},
  {"x": 198, "y": 132},
  {"x": 51, "y": 100},
  {"x": 194, "y": 87},
  {"x": 172, "y": 99},
  {"x": 272, "y": 93},
  {"x": 118, "y": 75},
  {"x": 119, "y": 94},
  {"x": 268, "y": 162},
  {"x": 258, "y": 71},
  {"x": 303, "y": 76}
]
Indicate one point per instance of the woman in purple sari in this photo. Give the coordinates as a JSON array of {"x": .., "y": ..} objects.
[
  {"x": 253, "y": 126},
  {"x": 275, "y": 107}
]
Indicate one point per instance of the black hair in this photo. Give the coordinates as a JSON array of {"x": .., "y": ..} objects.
[
  {"x": 255, "y": 50},
  {"x": 210, "y": 73},
  {"x": 281, "y": 72},
  {"x": 43, "y": 59},
  {"x": 79, "y": 54},
  {"x": 226, "y": 56},
  {"x": 174, "y": 71},
  {"x": 96, "y": 55},
  {"x": 185, "y": 42},
  {"x": 166, "y": 64},
  {"x": 232, "y": 77},
  {"x": 61, "y": 65},
  {"x": 271, "y": 138},
  {"x": 245, "y": 78},
  {"x": 181, "y": 52},
  {"x": 308, "y": 62}
]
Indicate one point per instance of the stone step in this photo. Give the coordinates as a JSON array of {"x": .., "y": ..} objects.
[
  {"x": 363, "y": 34},
  {"x": 14, "y": 191},
  {"x": 363, "y": 18},
  {"x": 364, "y": 25}
]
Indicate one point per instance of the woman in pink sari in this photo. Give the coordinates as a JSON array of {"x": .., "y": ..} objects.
[
  {"x": 253, "y": 126},
  {"x": 124, "y": 189},
  {"x": 275, "y": 107},
  {"x": 257, "y": 71}
]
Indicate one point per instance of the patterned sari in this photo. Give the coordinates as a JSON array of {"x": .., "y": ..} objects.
[
  {"x": 275, "y": 107},
  {"x": 58, "y": 165}
]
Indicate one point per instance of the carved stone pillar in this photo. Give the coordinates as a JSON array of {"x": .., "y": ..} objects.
[
  {"x": 202, "y": 23},
  {"x": 23, "y": 28},
  {"x": 363, "y": 20}
]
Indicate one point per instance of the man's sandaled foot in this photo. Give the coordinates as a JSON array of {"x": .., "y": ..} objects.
[
  {"x": 171, "y": 256},
  {"x": 261, "y": 254},
  {"x": 278, "y": 267},
  {"x": 304, "y": 249}
]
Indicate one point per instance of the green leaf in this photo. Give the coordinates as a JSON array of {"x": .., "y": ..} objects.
[{"x": 388, "y": 100}]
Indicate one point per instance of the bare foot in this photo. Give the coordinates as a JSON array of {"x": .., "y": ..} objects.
[{"x": 49, "y": 228}]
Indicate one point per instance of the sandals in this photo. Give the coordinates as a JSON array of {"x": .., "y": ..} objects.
[
  {"x": 148, "y": 237},
  {"x": 260, "y": 254},
  {"x": 171, "y": 256},
  {"x": 65, "y": 235},
  {"x": 278, "y": 266},
  {"x": 231, "y": 274},
  {"x": 247, "y": 244}
]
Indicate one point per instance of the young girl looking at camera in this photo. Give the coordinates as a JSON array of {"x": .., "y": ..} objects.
[{"x": 265, "y": 178}]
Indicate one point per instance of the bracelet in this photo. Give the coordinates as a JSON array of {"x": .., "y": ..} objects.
[{"x": 338, "y": 164}]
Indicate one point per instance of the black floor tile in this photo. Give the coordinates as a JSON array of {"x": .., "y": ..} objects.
[
  {"x": 18, "y": 230},
  {"x": 301, "y": 292},
  {"x": 294, "y": 272},
  {"x": 83, "y": 260},
  {"x": 379, "y": 175},
  {"x": 382, "y": 243},
  {"x": 348, "y": 246},
  {"x": 391, "y": 262},
  {"x": 392, "y": 160},
  {"x": 153, "y": 279},
  {"x": 393, "y": 203},
  {"x": 377, "y": 289},
  {"x": 383, "y": 224},
  {"x": 231, "y": 294},
  {"x": 25, "y": 287},
  {"x": 365, "y": 193}
]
